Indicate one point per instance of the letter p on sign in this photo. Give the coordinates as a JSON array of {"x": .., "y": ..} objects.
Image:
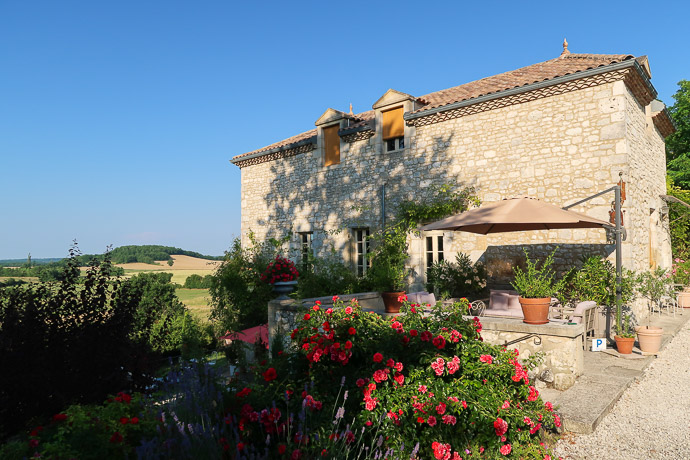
[{"x": 598, "y": 344}]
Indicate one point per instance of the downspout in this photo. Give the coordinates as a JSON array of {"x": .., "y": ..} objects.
[{"x": 383, "y": 205}]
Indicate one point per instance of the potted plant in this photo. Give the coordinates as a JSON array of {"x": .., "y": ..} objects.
[
  {"x": 681, "y": 277},
  {"x": 625, "y": 335},
  {"x": 388, "y": 272},
  {"x": 282, "y": 274},
  {"x": 652, "y": 285},
  {"x": 536, "y": 286}
]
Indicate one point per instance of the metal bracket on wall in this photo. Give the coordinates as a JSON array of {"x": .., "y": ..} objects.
[{"x": 537, "y": 339}]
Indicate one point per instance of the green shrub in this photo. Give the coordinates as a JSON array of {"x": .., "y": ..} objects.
[
  {"x": 196, "y": 281},
  {"x": 63, "y": 342},
  {"x": 238, "y": 296},
  {"x": 326, "y": 276},
  {"x": 456, "y": 279},
  {"x": 596, "y": 281}
]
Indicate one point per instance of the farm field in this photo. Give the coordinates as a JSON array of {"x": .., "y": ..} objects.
[
  {"x": 196, "y": 300},
  {"x": 183, "y": 266}
]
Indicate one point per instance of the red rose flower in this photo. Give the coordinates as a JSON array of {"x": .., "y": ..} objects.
[
  {"x": 124, "y": 420},
  {"x": 352, "y": 331},
  {"x": 270, "y": 374},
  {"x": 59, "y": 417},
  {"x": 378, "y": 357},
  {"x": 116, "y": 438}
]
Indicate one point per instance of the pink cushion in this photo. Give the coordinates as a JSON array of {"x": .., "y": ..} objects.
[
  {"x": 580, "y": 308},
  {"x": 504, "y": 300}
]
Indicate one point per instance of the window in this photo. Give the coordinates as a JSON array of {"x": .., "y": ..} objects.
[
  {"x": 331, "y": 145},
  {"x": 397, "y": 143},
  {"x": 305, "y": 248},
  {"x": 362, "y": 250},
  {"x": 393, "y": 129},
  {"x": 434, "y": 249}
]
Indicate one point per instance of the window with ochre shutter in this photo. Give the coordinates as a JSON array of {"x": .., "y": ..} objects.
[
  {"x": 393, "y": 129},
  {"x": 331, "y": 145}
]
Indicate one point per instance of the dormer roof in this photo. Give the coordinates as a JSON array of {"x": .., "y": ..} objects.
[{"x": 567, "y": 67}]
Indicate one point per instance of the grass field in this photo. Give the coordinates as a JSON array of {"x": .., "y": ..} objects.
[
  {"x": 28, "y": 279},
  {"x": 196, "y": 300}
]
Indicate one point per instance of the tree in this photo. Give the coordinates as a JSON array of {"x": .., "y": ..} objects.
[{"x": 678, "y": 143}]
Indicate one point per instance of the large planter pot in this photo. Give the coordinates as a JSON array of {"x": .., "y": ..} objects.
[
  {"x": 684, "y": 298},
  {"x": 535, "y": 311},
  {"x": 624, "y": 345},
  {"x": 649, "y": 338},
  {"x": 390, "y": 301},
  {"x": 283, "y": 288}
]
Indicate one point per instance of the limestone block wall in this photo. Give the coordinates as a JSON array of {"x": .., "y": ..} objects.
[
  {"x": 561, "y": 346},
  {"x": 559, "y": 149}
]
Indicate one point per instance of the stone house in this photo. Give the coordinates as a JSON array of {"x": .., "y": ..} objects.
[{"x": 559, "y": 130}]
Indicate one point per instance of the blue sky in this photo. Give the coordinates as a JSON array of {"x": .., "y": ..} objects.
[{"x": 118, "y": 119}]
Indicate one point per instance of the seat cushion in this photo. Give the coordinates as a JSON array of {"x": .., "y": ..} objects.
[{"x": 504, "y": 300}]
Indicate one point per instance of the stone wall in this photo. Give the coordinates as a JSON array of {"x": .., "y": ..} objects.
[
  {"x": 561, "y": 346},
  {"x": 559, "y": 149}
]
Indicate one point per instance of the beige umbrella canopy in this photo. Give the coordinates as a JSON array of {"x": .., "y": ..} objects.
[{"x": 516, "y": 215}]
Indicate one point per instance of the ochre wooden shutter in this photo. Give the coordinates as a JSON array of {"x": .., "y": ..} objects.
[
  {"x": 393, "y": 124},
  {"x": 331, "y": 145}
]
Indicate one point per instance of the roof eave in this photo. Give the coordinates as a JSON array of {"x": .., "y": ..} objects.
[{"x": 311, "y": 140}]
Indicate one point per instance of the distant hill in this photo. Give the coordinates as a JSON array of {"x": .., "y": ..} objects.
[
  {"x": 20, "y": 262},
  {"x": 147, "y": 254}
]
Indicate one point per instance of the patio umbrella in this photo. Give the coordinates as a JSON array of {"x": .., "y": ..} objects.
[
  {"x": 516, "y": 215},
  {"x": 521, "y": 214}
]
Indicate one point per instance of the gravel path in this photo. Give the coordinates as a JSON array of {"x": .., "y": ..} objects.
[{"x": 652, "y": 418}]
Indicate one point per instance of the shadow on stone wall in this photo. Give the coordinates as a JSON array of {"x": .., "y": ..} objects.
[
  {"x": 500, "y": 260},
  {"x": 338, "y": 198}
]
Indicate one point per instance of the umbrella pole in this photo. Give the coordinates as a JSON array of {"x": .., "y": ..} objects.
[{"x": 619, "y": 263}]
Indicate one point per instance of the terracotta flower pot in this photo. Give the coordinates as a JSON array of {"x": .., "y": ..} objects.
[
  {"x": 624, "y": 345},
  {"x": 390, "y": 301},
  {"x": 649, "y": 338},
  {"x": 535, "y": 311},
  {"x": 684, "y": 299}
]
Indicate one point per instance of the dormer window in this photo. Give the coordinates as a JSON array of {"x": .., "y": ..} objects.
[
  {"x": 331, "y": 145},
  {"x": 393, "y": 129}
]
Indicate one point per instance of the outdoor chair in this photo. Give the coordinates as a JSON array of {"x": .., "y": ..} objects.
[{"x": 583, "y": 313}]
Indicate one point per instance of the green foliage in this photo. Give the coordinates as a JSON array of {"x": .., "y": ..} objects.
[
  {"x": 681, "y": 271},
  {"x": 325, "y": 276},
  {"x": 679, "y": 218},
  {"x": 93, "y": 432},
  {"x": 388, "y": 272},
  {"x": 238, "y": 296},
  {"x": 63, "y": 342},
  {"x": 389, "y": 255},
  {"x": 456, "y": 279},
  {"x": 443, "y": 201},
  {"x": 537, "y": 282},
  {"x": 150, "y": 253},
  {"x": 51, "y": 271},
  {"x": 596, "y": 281},
  {"x": 678, "y": 143},
  {"x": 160, "y": 318},
  {"x": 195, "y": 281},
  {"x": 653, "y": 285}
]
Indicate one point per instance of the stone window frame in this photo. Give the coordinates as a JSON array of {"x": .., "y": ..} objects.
[
  {"x": 305, "y": 241},
  {"x": 389, "y": 101},
  {"x": 434, "y": 253},
  {"x": 355, "y": 250}
]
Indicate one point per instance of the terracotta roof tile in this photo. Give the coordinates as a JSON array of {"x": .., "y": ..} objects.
[{"x": 563, "y": 65}]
